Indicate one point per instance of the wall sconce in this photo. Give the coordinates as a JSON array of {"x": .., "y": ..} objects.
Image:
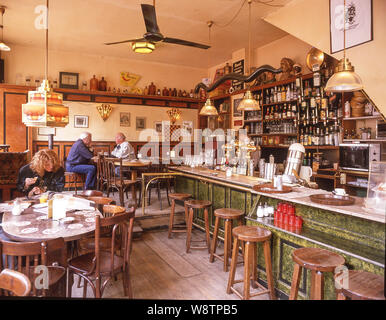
[
  {"x": 104, "y": 110},
  {"x": 174, "y": 114}
]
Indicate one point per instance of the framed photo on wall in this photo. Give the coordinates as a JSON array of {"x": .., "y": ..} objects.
[
  {"x": 80, "y": 121},
  {"x": 357, "y": 20},
  {"x": 158, "y": 127},
  {"x": 140, "y": 123},
  {"x": 68, "y": 80},
  {"x": 124, "y": 119},
  {"x": 236, "y": 101}
]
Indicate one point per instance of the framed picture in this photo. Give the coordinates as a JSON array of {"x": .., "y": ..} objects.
[
  {"x": 140, "y": 123},
  {"x": 124, "y": 119},
  {"x": 236, "y": 102},
  {"x": 158, "y": 127},
  {"x": 68, "y": 80},
  {"x": 80, "y": 121},
  {"x": 357, "y": 21},
  {"x": 46, "y": 131},
  {"x": 224, "y": 107}
]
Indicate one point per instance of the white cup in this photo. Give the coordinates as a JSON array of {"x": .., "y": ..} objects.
[
  {"x": 305, "y": 173},
  {"x": 340, "y": 192}
]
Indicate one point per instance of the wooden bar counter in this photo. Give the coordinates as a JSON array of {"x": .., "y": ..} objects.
[{"x": 351, "y": 231}]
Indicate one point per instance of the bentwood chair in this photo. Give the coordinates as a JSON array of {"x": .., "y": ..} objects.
[
  {"x": 106, "y": 264},
  {"x": 15, "y": 282},
  {"x": 116, "y": 180},
  {"x": 25, "y": 257}
]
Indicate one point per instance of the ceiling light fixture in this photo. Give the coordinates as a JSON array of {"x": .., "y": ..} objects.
[
  {"x": 143, "y": 47},
  {"x": 344, "y": 79},
  {"x": 209, "y": 109},
  {"x": 45, "y": 107},
  {"x": 248, "y": 103},
  {"x": 3, "y": 46}
]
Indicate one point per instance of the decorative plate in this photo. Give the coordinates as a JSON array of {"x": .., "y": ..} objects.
[
  {"x": 29, "y": 230},
  {"x": 51, "y": 231},
  {"x": 21, "y": 223}
]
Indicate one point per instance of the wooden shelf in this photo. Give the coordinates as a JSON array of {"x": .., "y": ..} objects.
[
  {"x": 322, "y": 147},
  {"x": 246, "y": 121},
  {"x": 362, "y": 118},
  {"x": 360, "y": 140},
  {"x": 272, "y": 146},
  {"x": 282, "y": 102},
  {"x": 269, "y": 120},
  {"x": 323, "y": 176}
]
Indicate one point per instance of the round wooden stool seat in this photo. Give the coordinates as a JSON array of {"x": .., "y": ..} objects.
[
  {"x": 228, "y": 213},
  {"x": 317, "y": 259},
  {"x": 251, "y": 237},
  {"x": 179, "y": 196},
  {"x": 363, "y": 285},
  {"x": 251, "y": 233},
  {"x": 198, "y": 204}
]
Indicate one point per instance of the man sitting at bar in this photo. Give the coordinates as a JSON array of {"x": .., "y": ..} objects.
[
  {"x": 79, "y": 157},
  {"x": 123, "y": 149},
  {"x": 44, "y": 173}
]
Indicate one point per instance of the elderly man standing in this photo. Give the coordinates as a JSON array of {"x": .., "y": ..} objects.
[
  {"x": 123, "y": 149},
  {"x": 79, "y": 157}
]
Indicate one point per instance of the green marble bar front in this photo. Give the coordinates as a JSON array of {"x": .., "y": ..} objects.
[{"x": 361, "y": 242}]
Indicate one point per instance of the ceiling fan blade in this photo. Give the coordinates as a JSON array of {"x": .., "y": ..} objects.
[
  {"x": 185, "y": 43},
  {"x": 132, "y": 40},
  {"x": 150, "y": 18}
]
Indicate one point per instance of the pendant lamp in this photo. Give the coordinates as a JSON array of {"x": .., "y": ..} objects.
[
  {"x": 248, "y": 103},
  {"x": 344, "y": 79},
  {"x": 3, "y": 46},
  {"x": 208, "y": 109},
  {"x": 45, "y": 108}
]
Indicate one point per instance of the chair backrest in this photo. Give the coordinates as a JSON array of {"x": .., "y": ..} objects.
[
  {"x": 114, "y": 177},
  {"x": 26, "y": 256},
  {"x": 122, "y": 227},
  {"x": 101, "y": 201},
  {"x": 111, "y": 210},
  {"x": 15, "y": 282},
  {"x": 90, "y": 193}
]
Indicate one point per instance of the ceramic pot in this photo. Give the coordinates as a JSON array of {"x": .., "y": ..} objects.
[
  {"x": 152, "y": 89},
  {"x": 102, "y": 84},
  {"x": 94, "y": 84}
]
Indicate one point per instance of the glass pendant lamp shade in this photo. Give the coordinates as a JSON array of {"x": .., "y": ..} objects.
[
  {"x": 248, "y": 103},
  {"x": 344, "y": 79},
  {"x": 208, "y": 109},
  {"x": 143, "y": 47},
  {"x": 3, "y": 46}
]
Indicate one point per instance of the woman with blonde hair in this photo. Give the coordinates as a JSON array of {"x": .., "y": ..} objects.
[{"x": 42, "y": 174}]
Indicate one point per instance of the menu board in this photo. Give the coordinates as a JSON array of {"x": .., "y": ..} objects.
[{"x": 238, "y": 67}]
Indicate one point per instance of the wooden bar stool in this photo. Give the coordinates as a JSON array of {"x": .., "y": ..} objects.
[
  {"x": 362, "y": 285},
  {"x": 190, "y": 205},
  {"x": 174, "y": 197},
  {"x": 228, "y": 215},
  {"x": 318, "y": 261},
  {"x": 251, "y": 235}
]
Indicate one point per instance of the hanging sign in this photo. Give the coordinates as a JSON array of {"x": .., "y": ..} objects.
[{"x": 238, "y": 67}]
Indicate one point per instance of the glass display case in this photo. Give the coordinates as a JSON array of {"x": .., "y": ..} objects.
[{"x": 376, "y": 190}]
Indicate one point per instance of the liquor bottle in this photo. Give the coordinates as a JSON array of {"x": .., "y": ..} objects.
[
  {"x": 278, "y": 94},
  {"x": 276, "y": 114},
  {"x": 317, "y": 137},
  {"x": 309, "y": 159},
  {"x": 305, "y": 160},
  {"x": 274, "y": 95},
  {"x": 283, "y": 94},
  {"x": 309, "y": 142},
  {"x": 336, "y": 134},
  {"x": 289, "y": 111},
  {"x": 294, "y": 111},
  {"x": 305, "y": 141},
  {"x": 267, "y": 96},
  {"x": 301, "y": 137},
  {"x": 331, "y": 136},
  {"x": 288, "y": 96},
  {"x": 316, "y": 79}
]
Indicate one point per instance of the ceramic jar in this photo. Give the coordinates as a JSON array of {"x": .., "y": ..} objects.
[
  {"x": 94, "y": 84},
  {"x": 152, "y": 89},
  {"x": 102, "y": 85}
]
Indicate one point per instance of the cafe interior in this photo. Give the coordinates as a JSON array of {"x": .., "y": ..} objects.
[{"x": 192, "y": 150}]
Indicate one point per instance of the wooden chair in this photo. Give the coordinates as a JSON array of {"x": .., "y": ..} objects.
[
  {"x": 90, "y": 193},
  {"x": 95, "y": 266},
  {"x": 15, "y": 282},
  {"x": 26, "y": 256},
  {"x": 116, "y": 180},
  {"x": 102, "y": 180},
  {"x": 101, "y": 201}
]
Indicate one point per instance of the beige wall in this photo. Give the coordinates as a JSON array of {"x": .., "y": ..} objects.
[
  {"x": 314, "y": 29},
  {"x": 27, "y": 61}
]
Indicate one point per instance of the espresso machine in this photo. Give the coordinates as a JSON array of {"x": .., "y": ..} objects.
[{"x": 294, "y": 162}]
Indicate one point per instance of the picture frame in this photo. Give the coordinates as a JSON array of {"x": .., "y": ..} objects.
[
  {"x": 358, "y": 24},
  {"x": 140, "y": 123},
  {"x": 68, "y": 80},
  {"x": 124, "y": 119},
  {"x": 158, "y": 127},
  {"x": 236, "y": 101},
  {"x": 80, "y": 121},
  {"x": 224, "y": 107}
]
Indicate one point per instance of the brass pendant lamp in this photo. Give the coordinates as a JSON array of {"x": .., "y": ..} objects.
[
  {"x": 344, "y": 79},
  {"x": 208, "y": 109},
  {"x": 3, "y": 46},
  {"x": 248, "y": 103}
]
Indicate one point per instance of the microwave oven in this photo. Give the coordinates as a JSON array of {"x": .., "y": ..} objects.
[{"x": 358, "y": 156}]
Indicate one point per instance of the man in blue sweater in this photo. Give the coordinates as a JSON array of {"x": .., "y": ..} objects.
[{"x": 78, "y": 160}]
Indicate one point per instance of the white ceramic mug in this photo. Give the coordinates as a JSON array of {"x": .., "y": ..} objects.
[{"x": 305, "y": 173}]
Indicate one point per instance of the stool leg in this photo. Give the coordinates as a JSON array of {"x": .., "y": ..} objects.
[
  {"x": 171, "y": 219},
  {"x": 268, "y": 269},
  {"x": 318, "y": 285},
  {"x": 206, "y": 217},
  {"x": 232, "y": 271},
  {"x": 214, "y": 240},
  {"x": 227, "y": 242},
  {"x": 189, "y": 229},
  {"x": 247, "y": 268},
  {"x": 186, "y": 214},
  {"x": 254, "y": 276},
  {"x": 295, "y": 282}
]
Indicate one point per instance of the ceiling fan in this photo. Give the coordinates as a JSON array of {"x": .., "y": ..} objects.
[{"x": 153, "y": 33}]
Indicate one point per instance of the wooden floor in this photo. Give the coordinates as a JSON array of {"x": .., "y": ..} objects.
[{"x": 161, "y": 269}]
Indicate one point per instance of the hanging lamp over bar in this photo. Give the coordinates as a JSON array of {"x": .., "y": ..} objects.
[
  {"x": 344, "y": 79},
  {"x": 208, "y": 109},
  {"x": 45, "y": 108},
  {"x": 248, "y": 103},
  {"x": 3, "y": 46}
]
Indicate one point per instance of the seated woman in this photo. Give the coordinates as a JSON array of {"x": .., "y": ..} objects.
[{"x": 44, "y": 173}]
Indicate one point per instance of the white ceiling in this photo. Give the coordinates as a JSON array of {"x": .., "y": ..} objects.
[{"x": 84, "y": 26}]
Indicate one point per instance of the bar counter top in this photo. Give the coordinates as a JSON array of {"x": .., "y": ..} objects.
[{"x": 298, "y": 195}]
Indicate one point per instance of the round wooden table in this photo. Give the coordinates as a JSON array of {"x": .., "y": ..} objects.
[{"x": 33, "y": 225}]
